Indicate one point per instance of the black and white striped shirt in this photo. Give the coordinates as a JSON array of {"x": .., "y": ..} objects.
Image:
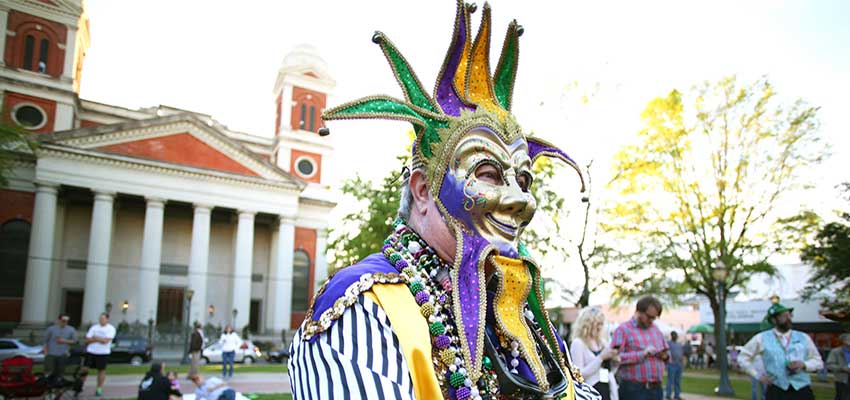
[{"x": 359, "y": 357}]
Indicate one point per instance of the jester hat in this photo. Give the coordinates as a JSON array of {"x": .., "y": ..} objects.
[{"x": 465, "y": 96}]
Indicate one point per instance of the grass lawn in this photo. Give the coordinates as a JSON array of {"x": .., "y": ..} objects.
[
  {"x": 705, "y": 386},
  {"x": 127, "y": 369}
]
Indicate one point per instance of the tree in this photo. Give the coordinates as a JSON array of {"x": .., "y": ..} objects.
[
  {"x": 15, "y": 144},
  {"x": 829, "y": 255},
  {"x": 364, "y": 231},
  {"x": 704, "y": 184}
]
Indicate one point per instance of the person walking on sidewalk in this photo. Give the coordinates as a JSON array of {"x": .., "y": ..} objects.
[
  {"x": 196, "y": 345},
  {"x": 98, "y": 347},
  {"x": 838, "y": 361},
  {"x": 643, "y": 352},
  {"x": 787, "y": 355},
  {"x": 56, "y": 340},
  {"x": 230, "y": 342},
  {"x": 674, "y": 367}
]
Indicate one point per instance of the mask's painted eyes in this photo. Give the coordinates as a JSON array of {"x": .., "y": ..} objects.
[
  {"x": 488, "y": 172},
  {"x": 524, "y": 179}
]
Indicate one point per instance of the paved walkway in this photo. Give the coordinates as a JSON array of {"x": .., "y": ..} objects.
[{"x": 126, "y": 386}]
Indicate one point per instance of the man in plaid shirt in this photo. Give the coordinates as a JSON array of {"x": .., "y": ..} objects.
[{"x": 643, "y": 352}]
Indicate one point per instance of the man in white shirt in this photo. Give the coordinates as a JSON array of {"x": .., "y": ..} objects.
[
  {"x": 787, "y": 355},
  {"x": 98, "y": 347}
]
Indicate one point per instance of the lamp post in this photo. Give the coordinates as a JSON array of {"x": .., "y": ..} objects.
[
  {"x": 719, "y": 274},
  {"x": 211, "y": 311},
  {"x": 124, "y": 307},
  {"x": 188, "y": 318}
]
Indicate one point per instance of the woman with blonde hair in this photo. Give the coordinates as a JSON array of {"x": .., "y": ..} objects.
[{"x": 591, "y": 353}]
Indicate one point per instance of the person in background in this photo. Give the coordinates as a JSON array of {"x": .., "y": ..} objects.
[
  {"x": 590, "y": 352},
  {"x": 154, "y": 386},
  {"x": 787, "y": 355},
  {"x": 643, "y": 352},
  {"x": 172, "y": 378},
  {"x": 196, "y": 345},
  {"x": 686, "y": 352},
  {"x": 57, "y": 337},
  {"x": 230, "y": 342},
  {"x": 98, "y": 347},
  {"x": 838, "y": 362},
  {"x": 674, "y": 367},
  {"x": 212, "y": 389},
  {"x": 759, "y": 390}
]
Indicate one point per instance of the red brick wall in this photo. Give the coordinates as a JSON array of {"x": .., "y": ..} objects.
[
  {"x": 40, "y": 28},
  {"x": 10, "y": 309},
  {"x": 309, "y": 98},
  {"x": 305, "y": 239},
  {"x": 317, "y": 159},
  {"x": 16, "y": 205},
  {"x": 182, "y": 148},
  {"x": 84, "y": 123},
  {"x": 49, "y": 107}
]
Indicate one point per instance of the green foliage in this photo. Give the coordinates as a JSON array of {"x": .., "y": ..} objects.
[
  {"x": 704, "y": 185},
  {"x": 829, "y": 255},
  {"x": 15, "y": 143},
  {"x": 364, "y": 231}
]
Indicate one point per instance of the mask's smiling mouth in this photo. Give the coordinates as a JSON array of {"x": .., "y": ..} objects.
[{"x": 504, "y": 227}]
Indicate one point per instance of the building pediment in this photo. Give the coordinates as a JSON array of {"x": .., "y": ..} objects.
[{"x": 177, "y": 139}]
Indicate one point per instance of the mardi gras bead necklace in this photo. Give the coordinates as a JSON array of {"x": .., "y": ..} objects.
[{"x": 430, "y": 283}]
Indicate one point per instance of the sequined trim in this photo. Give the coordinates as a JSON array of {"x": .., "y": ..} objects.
[{"x": 312, "y": 328}]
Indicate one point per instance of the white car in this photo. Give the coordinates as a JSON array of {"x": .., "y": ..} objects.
[
  {"x": 13, "y": 347},
  {"x": 247, "y": 353}
]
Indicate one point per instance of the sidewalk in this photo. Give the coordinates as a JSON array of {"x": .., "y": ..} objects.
[{"x": 126, "y": 386}]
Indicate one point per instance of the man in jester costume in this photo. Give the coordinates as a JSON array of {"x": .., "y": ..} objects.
[{"x": 453, "y": 306}]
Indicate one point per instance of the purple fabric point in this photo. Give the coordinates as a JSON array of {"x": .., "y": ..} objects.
[{"x": 401, "y": 264}]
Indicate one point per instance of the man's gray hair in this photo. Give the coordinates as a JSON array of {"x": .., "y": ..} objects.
[
  {"x": 844, "y": 337},
  {"x": 405, "y": 200}
]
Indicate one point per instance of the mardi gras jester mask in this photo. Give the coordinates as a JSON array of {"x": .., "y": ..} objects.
[
  {"x": 475, "y": 156},
  {"x": 465, "y": 124}
]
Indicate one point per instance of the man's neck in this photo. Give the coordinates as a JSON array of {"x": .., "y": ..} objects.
[{"x": 780, "y": 332}]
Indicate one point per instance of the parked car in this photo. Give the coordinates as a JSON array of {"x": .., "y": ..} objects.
[
  {"x": 125, "y": 349},
  {"x": 14, "y": 347},
  {"x": 277, "y": 355},
  {"x": 247, "y": 353}
]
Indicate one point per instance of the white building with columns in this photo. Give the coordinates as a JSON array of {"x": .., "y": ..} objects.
[{"x": 153, "y": 213}]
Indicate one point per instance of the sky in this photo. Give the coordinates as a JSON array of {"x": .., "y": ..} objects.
[{"x": 221, "y": 59}]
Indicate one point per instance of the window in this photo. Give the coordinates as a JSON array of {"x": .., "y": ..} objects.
[
  {"x": 8, "y": 345},
  {"x": 303, "y": 116},
  {"x": 312, "y": 118},
  {"x": 14, "y": 251},
  {"x": 300, "y": 280},
  {"x": 305, "y": 166},
  {"x": 29, "y": 48},
  {"x": 29, "y": 116},
  {"x": 42, "y": 56}
]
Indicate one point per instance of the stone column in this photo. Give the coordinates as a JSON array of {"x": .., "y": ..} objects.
[
  {"x": 40, "y": 262},
  {"x": 321, "y": 271},
  {"x": 4, "y": 25},
  {"x": 280, "y": 275},
  {"x": 70, "y": 53},
  {"x": 242, "y": 267},
  {"x": 151, "y": 259},
  {"x": 199, "y": 260},
  {"x": 97, "y": 268}
]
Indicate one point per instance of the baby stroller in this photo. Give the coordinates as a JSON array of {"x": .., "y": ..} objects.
[{"x": 17, "y": 381}]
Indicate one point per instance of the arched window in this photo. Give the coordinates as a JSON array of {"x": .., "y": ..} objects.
[
  {"x": 14, "y": 251},
  {"x": 303, "y": 116},
  {"x": 29, "y": 49},
  {"x": 300, "y": 281},
  {"x": 312, "y": 118}
]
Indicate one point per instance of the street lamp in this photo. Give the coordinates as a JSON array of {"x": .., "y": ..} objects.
[
  {"x": 189, "y": 294},
  {"x": 719, "y": 274},
  {"x": 124, "y": 307},
  {"x": 211, "y": 311}
]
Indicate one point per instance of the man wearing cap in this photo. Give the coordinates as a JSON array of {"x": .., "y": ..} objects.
[
  {"x": 787, "y": 355},
  {"x": 57, "y": 337},
  {"x": 838, "y": 361}
]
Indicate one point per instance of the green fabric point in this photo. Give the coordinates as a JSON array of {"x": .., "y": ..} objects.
[
  {"x": 414, "y": 92},
  {"x": 506, "y": 70},
  {"x": 535, "y": 304}
]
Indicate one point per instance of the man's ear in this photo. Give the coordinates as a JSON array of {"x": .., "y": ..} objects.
[{"x": 419, "y": 190}]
